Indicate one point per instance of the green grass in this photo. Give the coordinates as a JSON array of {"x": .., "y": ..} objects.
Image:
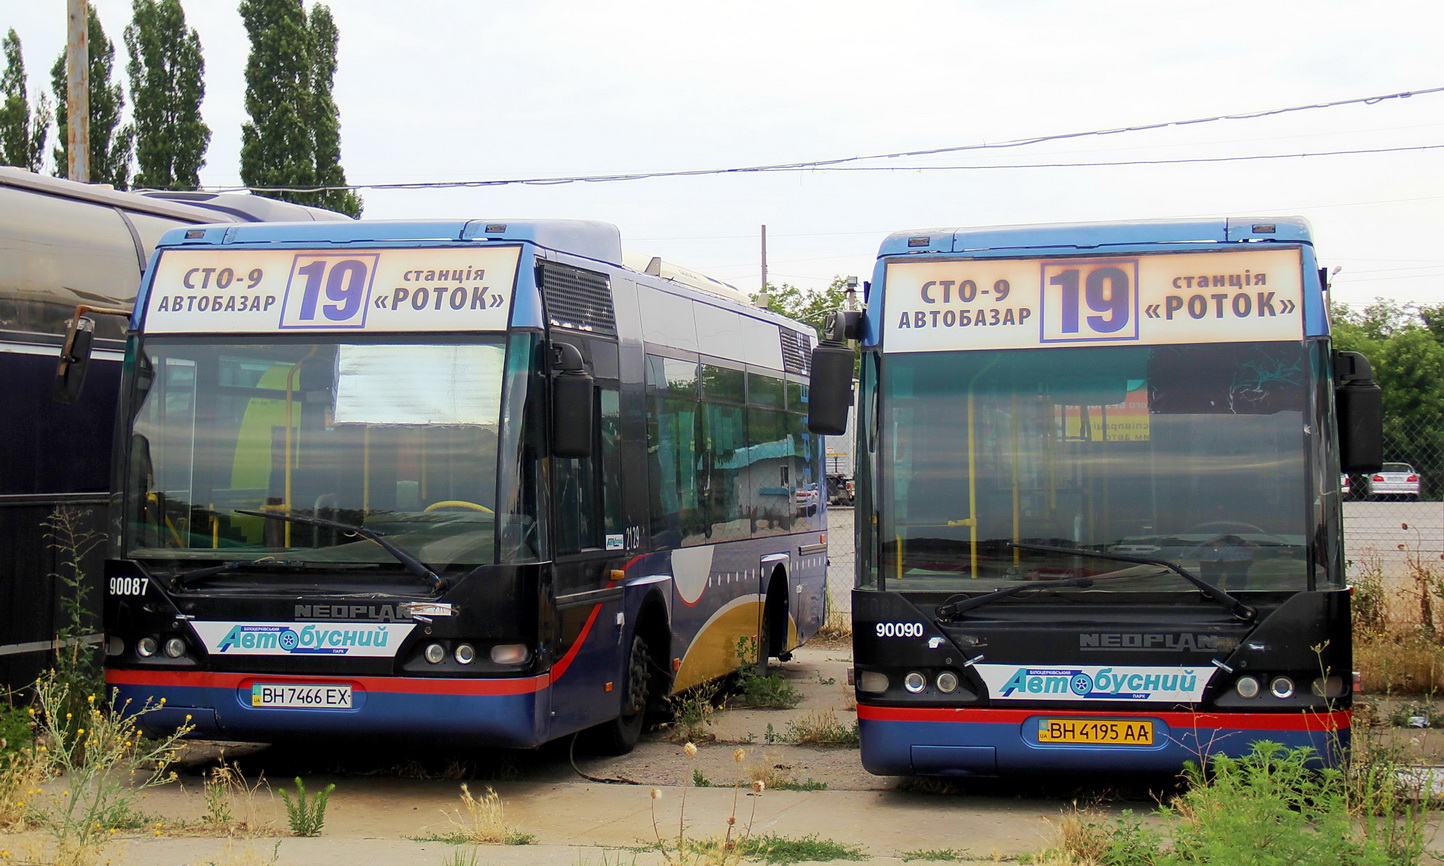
[
  {"x": 798, "y": 785},
  {"x": 771, "y": 848},
  {"x": 948, "y": 855}
]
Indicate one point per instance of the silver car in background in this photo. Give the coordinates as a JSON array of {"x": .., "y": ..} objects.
[{"x": 1394, "y": 479}]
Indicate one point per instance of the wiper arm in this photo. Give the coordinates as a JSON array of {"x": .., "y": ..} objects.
[
  {"x": 1234, "y": 606},
  {"x": 950, "y": 609},
  {"x": 264, "y": 563},
  {"x": 412, "y": 564},
  {"x": 179, "y": 580}
]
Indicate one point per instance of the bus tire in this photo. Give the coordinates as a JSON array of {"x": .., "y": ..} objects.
[
  {"x": 772, "y": 630},
  {"x": 620, "y": 735}
]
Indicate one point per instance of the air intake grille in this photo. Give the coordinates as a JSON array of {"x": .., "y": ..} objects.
[
  {"x": 576, "y": 299},
  {"x": 796, "y": 351}
]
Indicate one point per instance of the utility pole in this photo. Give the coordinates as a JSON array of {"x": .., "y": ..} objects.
[
  {"x": 77, "y": 92},
  {"x": 762, "y": 299}
]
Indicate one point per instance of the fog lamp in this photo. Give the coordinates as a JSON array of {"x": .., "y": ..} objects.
[
  {"x": 1282, "y": 687},
  {"x": 1247, "y": 687},
  {"x": 510, "y": 653}
]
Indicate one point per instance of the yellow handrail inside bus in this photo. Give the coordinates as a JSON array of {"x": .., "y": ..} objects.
[
  {"x": 972, "y": 519},
  {"x": 288, "y": 459}
]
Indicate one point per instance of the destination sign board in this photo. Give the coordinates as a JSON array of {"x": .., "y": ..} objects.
[
  {"x": 932, "y": 305},
  {"x": 237, "y": 290}
]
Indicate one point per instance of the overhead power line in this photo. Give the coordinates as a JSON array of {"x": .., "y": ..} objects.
[
  {"x": 838, "y": 164},
  {"x": 1124, "y": 161}
]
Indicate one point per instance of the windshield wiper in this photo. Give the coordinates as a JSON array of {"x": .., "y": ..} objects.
[
  {"x": 1234, "y": 606},
  {"x": 265, "y": 563},
  {"x": 951, "y": 608},
  {"x": 412, "y": 564}
]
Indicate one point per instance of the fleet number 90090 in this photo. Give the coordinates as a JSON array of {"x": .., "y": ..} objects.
[{"x": 899, "y": 629}]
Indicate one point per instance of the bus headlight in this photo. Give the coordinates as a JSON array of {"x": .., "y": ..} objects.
[
  {"x": 1282, "y": 687},
  {"x": 915, "y": 682},
  {"x": 435, "y": 653},
  {"x": 114, "y": 646},
  {"x": 873, "y": 682},
  {"x": 175, "y": 647},
  {"x": 1328, "y": 687},
  {"x": 1247, "y": 687},
  {"x": 465, "y": 654},
  {"x": 510, "y": 653},
  {"x": 947, "y": 682},
  {"x": 146, "y": 647}
]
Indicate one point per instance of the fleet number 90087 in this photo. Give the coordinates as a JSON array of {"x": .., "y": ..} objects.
[
  {"x": 899, "y": 629},
  {"x": 128, "y": 585}
]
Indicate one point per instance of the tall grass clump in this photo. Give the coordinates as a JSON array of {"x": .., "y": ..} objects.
[
  {"x": 1272, "y": 806},
  {"x": 756, "y": 690},
  {"x": 97, "y": 763}
]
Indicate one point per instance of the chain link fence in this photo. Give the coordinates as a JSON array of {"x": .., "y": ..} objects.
[
  {"x": 841, "y": 560},
  {"x": 1394, "y": 519}
]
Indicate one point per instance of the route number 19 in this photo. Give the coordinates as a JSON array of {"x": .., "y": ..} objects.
[
  {"x": 1087, "y": 300},
  {"x": 328, "y": 291}
]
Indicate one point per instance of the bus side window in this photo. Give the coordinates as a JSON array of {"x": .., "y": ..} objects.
[{"x": 588, "y": 492}]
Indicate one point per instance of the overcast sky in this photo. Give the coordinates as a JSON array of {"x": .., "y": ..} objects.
[{"x": 444, "y": 90}]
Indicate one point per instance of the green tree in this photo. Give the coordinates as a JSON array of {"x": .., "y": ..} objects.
[
  {"x": 110, "y": 142},
  {"x": 293, "y": 138},
  {"x": 22, "y": 134},
  {"x": 167, "y": 84},
  {"x": 1406, "y": 350},
  {"x": 807, "y": 305},
  {"x": 325, "y": 120}
]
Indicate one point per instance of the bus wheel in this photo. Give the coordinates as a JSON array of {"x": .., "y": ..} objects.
[
  {"x": 620, "y": 735},
  {"x": 772, "y": 631}
]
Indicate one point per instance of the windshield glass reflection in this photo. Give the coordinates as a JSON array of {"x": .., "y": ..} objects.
[
  {"x": 398, "y": 438},
  {"x": 1190, "y": 454}
]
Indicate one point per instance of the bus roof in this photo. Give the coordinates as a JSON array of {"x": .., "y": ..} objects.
[
  {"x": 1096, "y": 235},
  {"x": 591, "y": 239},
  {"x": 187, "y": 206}
]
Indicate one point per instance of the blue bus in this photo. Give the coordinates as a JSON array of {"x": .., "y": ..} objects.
[
  {"x": 1097, "y": 479},
  {"x": 476, "y": 480},
  {"x": 64, "y": 244}
]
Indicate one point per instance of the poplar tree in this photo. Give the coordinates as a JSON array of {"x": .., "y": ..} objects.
[
  {"x": 325, "y": 120},
  {"x": 293, "y": 137},
  {"x": 22, "y": 134},
  {"x": 167, "y": 84},
  {"x": 110, "y": 142}
]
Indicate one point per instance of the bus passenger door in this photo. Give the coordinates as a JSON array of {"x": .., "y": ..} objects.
[{"x": 589, "y": 554}]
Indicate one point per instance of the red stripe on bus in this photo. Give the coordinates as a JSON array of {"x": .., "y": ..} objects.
[
  {"x": 566, "y": 661},
  {"x": 1301, "y": 721},
  {"x": 372, "y": 685}
]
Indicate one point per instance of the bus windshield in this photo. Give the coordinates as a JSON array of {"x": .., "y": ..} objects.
[
  {"x": 1191, "y": 454},
  {"x": 397, "y": 437}
]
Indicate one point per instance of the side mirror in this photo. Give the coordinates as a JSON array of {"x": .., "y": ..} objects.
[
  {"x": 830, "y": 383},
  {"x": 830, "y": 390},
  {"x": 1360, "y": 404},
  {"x": 572, "y": 399},
  {"x": 74, "y": 360}
]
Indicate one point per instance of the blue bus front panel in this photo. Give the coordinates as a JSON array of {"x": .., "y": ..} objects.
[
  {"x": 509, "y": 713},
  {"x": 990, "y": 742},
  {"x": 1087, "y": 684}
]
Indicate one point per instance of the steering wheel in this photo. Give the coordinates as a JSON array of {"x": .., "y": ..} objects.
[{"x": 457, "y": 503}]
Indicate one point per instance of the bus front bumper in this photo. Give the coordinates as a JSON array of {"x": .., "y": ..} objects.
[
  {"x": 507, "y": 713},
  {"x": 990, "y": 742}
]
